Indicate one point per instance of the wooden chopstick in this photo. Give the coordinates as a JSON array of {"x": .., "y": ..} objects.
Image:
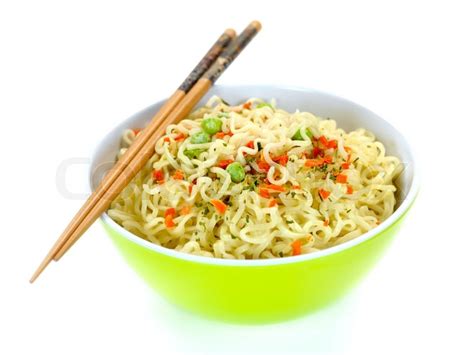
[
  {"x": 203, "y": 65},
  {"x": 180, "y": 111}
]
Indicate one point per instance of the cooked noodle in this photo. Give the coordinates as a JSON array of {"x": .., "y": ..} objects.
[{"x": 308, "y": 185}]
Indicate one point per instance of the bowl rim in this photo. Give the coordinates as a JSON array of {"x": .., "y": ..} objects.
[{"x": 389, "y": 222}]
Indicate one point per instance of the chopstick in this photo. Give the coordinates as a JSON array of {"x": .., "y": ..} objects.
[
  {"x": 203, "y": 65},
  {"x": 180, "y": 110}
]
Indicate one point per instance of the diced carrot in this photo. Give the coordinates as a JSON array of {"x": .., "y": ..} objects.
[
  {"x": 272, "y": 203},
  {"x": 316, "y": 152},
  {"x": 136, "y": 131},
  {"x": 282, "y": 159},
  {"x": 167, "y": 139},
  {"x": 247, "y": 105},
  {"x": 346, "y": 165},
  {"x": 178, "y": 175},
  {"x": 347, "y": 149},
  {"x": 350, "y": 190},
  {"x": 219, "y": 206},
  {"x": 170, "y": 212},
  {"x": 341, "y": 178},
  {"x": 326, "y": 222},
  {"x": 323, "y": 141},
  {"x": 250, "y": 145},
  {"x": 223, "y": 163},
  {"x": 158, "y": 175},
  {"x": 169, "y": 223},
  {"x": 296, "y": 246},
  {"x": 332, "y": 144},
  {"x": 275, "y": 187},
  {"x": 264, "y": 193},
  {"x": 324, "y": 194},
  {"x": 328, "y": 144},
  {"x": 190, "y": 189},
  {"x": 180, "y": 137},
  {"x": 185, "y": 210},
  {"x": 263, "y": 165},
  {"x": 296, "y": 187},
  {"x": 328, "y": 159},
  {"x": 221, "y": 135},
  {"x": 310, "y": 163}
]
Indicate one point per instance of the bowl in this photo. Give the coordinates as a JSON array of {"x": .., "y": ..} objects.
[{"x": 256, "y": 291}]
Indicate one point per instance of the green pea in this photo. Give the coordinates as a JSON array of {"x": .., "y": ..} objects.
[
  {"x": 298, "y": 137},
  {"x": 236, "y": 171},
  {"x": 264, "y": 104},
  {"x": 200, "y": 137},
  {"x": 193, "y": 153},
  {"x": 211, "y": 125}
]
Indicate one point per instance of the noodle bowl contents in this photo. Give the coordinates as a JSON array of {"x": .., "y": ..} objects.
[{"x": 254, "y": 181}]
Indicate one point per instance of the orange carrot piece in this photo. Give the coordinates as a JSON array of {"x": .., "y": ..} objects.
[
  {"x": 324, "y": 194},
  {"x": 296, "y": 246},
  {"x": 264, "y": 193},
  {"x": 247, "y": 105},
  {"x": 282, "y": 159},
  {"x": 272, "y": 203},
  {"x": 310, "y": 163},
  {"x": 170, "y": 212},
  {"x": 180, "y": 137},
  {"x": 341, "y": 178},
  {"x": 219, "y": 206},
  {"x": 332, "y": 144},
  {"x": 158, "y": 175},
  {"x": 323, "y": 141},
  {"x": 263, "y": 165},
  {"x": 223, "y": 163},
  {"x": 274, "y": 187},
  {"x": 169, "y": 223},
  {"x": 185, "y": 210},
  {"x": 350, "y": 190},
  {"x": 178, "y": 175},
  {"x": 316, "y": 152},
  {"x": 327, "y": 159},
  {"x": 250, "y": 145},
  {"x": 345, "y": 165},
  {"x": 167, "y": 139},
  {"x": 326, "y": 222}
]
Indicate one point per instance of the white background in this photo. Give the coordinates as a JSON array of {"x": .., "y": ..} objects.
[{"x": 70, "y": 71}]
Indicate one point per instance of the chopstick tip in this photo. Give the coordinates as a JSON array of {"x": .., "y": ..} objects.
[
  {"x": 40, "y": 269},
  {"x": 256, "y": 24},
  {"x": 33, "y": 278},
  {"x": 231, "y": 32}
]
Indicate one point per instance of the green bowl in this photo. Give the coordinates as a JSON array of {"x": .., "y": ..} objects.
[{"x": 258, "y": 291}]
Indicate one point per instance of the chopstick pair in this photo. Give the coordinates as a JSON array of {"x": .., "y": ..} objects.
[{"x": 194, "y": 87}]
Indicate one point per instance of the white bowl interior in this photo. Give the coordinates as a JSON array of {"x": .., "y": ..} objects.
[{"x": 347, "y": 114}]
